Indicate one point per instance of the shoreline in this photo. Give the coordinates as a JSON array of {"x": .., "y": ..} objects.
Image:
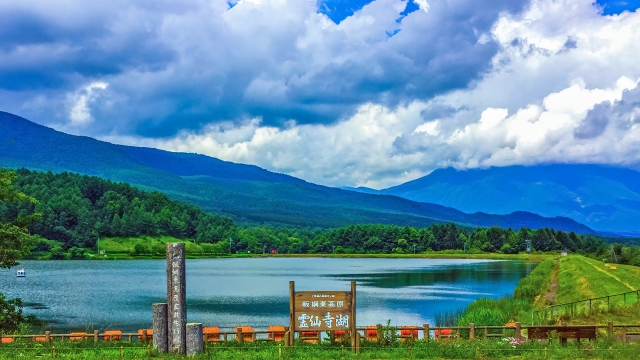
[{"x": 435, "y": 255}]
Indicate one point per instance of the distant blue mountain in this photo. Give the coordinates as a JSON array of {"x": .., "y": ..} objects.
[
  {"x": 605, "y": 198},
  {"x": 245, "y": 192}
]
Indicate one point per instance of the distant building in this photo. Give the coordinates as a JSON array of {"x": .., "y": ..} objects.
[{"x": 564, "y": 253}]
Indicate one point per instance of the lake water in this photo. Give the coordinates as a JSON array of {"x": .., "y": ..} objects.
[{"x": 81, "y": 295}]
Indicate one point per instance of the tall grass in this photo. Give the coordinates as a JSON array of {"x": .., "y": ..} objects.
[
  {"x": 448, "y": 318},
  {"x": 491, "y": 312},
  {"x": 536, "y": 282}
]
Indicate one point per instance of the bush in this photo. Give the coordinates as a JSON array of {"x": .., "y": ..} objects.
[{"x": 11, "y": 317}]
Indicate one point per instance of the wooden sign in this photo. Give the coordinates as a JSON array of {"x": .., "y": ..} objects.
[{"x": 322, "y": 310}]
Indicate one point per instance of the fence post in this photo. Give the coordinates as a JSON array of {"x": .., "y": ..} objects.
[
  {"x": 47, "y": 337},
  {"x": 518, "y": 331},
  {"x": 624, "y": 334},
  {"x": 144, "y": 335},
  {"x": 240, "y": 336},
  {"x": 96, "y": 337},
  {"x": 610, "y": 330},
  {"x": 53, "y": 351},
  {"x": 426, "y": 332},
  {"x": 472, "y": 331}
]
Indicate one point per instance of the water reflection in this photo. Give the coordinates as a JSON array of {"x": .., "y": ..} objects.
[{"x": 230, "y": 292}]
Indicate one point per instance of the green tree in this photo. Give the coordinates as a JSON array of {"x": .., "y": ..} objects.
[{"x": 15, "y": 242}]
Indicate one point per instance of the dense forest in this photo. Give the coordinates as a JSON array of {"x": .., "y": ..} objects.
[{"x": 77, "y": 210}]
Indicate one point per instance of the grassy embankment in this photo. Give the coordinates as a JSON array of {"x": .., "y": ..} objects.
[{"x": 581, "y": 278}]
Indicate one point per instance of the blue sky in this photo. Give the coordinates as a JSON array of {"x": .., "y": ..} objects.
[{"x": 360, "y": 92}]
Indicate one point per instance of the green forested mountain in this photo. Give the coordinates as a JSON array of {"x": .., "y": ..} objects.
[
  {"x": 246, "y": 193},
  {"x": 77, "y": 210}
]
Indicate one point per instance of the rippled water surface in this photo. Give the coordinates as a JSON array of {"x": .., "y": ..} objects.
[{"x": 229, "y": 292}]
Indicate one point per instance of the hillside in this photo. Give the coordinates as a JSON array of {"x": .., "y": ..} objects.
[
  {"x": 602, "y": 197},
  {"x": 246, "y": 193}
]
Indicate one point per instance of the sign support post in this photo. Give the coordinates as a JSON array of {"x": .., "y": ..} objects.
[
  {"x": 292, "y": 311},
  {"x": 353, "y": 316}
]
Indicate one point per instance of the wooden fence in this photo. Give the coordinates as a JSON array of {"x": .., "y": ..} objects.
[{"x": 370, "y": 333}]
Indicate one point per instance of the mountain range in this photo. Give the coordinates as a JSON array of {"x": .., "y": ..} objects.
[
  {"x": 605, "y": 198},
  {"x": 247, "y": 193}
]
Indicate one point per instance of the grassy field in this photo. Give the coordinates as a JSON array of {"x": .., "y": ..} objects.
[
  {"x": 460, "y": 349},
  {"x": 581, "y": 278}
]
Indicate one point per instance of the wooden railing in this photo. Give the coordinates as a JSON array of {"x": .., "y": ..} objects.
[{"x": 403, "y": 333}]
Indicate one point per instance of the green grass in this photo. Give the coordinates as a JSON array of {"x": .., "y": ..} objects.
[
  {"x": 536, "y": 283},
  {"x": 582, "y": 278},
  {"x": 455, "y": 349}
]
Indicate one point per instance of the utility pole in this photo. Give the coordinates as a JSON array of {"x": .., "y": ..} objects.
[
  {"x": 333, "y": 251},
  {"x": 414, "y": 249},
  {"x": 230, "y": 244}
]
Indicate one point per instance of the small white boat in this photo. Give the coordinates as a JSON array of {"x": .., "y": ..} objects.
[{"x": 21, "y": 273}]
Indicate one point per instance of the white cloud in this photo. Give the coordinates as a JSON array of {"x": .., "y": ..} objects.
[
  {"x": 80, "y": 113},
  {"x": 423, "y": 4},
  {"x": 554, "y": 67}
]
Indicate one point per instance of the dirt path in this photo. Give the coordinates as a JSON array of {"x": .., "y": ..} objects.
[{"x": 550, "y": 296}]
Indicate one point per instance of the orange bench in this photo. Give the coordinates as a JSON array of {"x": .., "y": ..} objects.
[
  {"x": 149, "y": 334},
  {"x": 79, "y": 336},
  {"x": 310, "y": 334},
  {"x": 112, "y": 335},
  {"x": 211, "y": 333},
  {"x": 372, "y": 333},
  {"x": 276, "y": 333},
  {"x": 408, "y": 333},
  {"x": 247, "y": 333},
  {"x": 339, "y": 334},
  {"x": 7, "y": 340},
  {"x": 40, "y": 339},
  {"x": 443, "y": 333}
]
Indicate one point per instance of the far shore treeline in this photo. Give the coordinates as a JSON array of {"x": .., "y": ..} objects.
[{"x": 78, "y": 210}]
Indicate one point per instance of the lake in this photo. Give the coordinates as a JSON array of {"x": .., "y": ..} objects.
[{"x": 85, "y": 295}]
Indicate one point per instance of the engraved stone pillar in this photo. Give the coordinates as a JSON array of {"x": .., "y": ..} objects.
[
  {"x": 176, "y": 299},
  {"x": 160, "y": 327},
  {"x": 195, "y": 343}
]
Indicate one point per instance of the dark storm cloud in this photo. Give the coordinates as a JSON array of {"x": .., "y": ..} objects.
[{"x": 180, "y": 66}]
